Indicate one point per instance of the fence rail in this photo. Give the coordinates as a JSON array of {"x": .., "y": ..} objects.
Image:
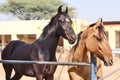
[
  {"x": 43, "y": 62},
  {"x": 92, "y": 64}
]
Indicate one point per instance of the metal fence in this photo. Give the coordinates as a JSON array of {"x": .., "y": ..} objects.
[{"x": 92, "y": 64}]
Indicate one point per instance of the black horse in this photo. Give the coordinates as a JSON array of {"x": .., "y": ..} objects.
[{"x": 43, "y": 49}]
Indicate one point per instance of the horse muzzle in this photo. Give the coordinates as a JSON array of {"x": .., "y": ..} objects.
[
  {"x": 108, "y": 62},
  {"x": 72, "y": 39}
]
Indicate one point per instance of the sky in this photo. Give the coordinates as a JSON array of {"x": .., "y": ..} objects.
[
  {"x": 90, "y": 10},
  {"x": 4, "y": 17}
]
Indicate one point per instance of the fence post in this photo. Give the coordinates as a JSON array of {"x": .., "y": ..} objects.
[{"x": 93, "y": 67}]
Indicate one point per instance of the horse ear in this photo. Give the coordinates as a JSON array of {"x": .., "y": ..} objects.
[
  {"x": 66, "y": 10},
  {"x": 98, "y": 22},
  {"x": 60, "y": 9}
]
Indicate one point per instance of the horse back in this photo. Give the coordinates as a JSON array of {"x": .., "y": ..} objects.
[{"x": 10, "y": 48}]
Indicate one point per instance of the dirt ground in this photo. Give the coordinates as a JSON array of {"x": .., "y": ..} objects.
[{"x": 61, "y": 72}]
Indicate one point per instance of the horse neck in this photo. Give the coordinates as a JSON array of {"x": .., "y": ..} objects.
[
  {"x": 48, "y": 42},
  {"x": 81, "y": 53}
]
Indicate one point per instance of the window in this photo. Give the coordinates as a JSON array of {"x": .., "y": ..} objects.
[{"x": 117, "y": 40}]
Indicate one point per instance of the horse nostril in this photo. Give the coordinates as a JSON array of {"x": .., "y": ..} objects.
[
  {"x": 111, "y": 60},
  {"x": 73, "y": 38}
]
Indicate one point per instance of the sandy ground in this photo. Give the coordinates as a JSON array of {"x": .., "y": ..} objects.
[
  {"x": 61, "y": 72},
  {"x": 113, "y": 72}
]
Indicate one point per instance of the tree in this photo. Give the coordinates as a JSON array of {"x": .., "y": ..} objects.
[{"x": 32, "y": 9}]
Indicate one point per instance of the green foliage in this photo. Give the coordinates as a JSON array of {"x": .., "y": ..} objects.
[{"x": 32, "y": 9}]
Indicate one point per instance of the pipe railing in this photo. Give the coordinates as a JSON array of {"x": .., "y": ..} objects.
[{"x": 92, "y": 64}]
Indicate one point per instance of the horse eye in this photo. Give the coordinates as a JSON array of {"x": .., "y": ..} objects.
[{"x": 98, "y": 38}]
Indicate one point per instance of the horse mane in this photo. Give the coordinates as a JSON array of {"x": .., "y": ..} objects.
[
  {"x": 78, "y": 39},
  {"x": 47, "y": 29},
  {"x": 91, "y": 25}
]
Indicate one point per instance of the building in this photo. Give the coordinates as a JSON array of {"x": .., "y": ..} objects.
[
  {"x": 30, "y": 30},
  {"x": 23, "y": 30},
  {"x": 113, "y": 29}
]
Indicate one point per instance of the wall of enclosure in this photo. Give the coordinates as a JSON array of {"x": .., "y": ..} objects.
[{"x": 30, "y": 30}]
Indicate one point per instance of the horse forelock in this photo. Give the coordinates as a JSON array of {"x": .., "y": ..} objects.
[{"x": 66, "y": 16}]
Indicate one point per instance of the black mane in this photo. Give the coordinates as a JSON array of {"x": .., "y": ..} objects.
[
  {"x": 49, "y": 28},
  {"x": 91, "y": 25},
  {"x": 78, "y": 38}
]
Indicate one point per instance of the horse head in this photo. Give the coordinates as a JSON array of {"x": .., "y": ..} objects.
[
  {"x": 64, "y": 25},
  {"x": 97, "y": 42}
]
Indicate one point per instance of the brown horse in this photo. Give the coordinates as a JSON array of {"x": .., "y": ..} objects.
[{"x": 94, "y": 40}]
